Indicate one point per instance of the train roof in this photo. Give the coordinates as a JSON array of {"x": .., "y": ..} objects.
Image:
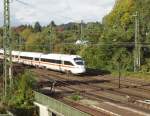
[
  {"x": 60, "y": 56},
  {"x": 31, "y": 54},
  {"x": 47, "y": 56},
  {"x": 42, "y": 55}
]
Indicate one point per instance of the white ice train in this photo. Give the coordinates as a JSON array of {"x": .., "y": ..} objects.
[{"x": 60, "y": 62}]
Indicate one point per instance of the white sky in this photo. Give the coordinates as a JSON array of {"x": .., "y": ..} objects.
[{"x": 61, "y": 11}]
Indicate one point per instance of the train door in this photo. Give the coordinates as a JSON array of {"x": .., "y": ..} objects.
[
  {"x": 61, "y": 65},
  {"x": 60, "y": 62},
  {"x": 39, "y": 64}
]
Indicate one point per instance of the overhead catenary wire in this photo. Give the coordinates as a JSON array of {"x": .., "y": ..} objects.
[
  {"x": 57, "y": 13},
  {"x": 44, "y": 11},
  {"x": 143, "y": 44},
  {"x": 24, "y": 3}
]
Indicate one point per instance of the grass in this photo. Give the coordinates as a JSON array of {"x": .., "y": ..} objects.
[
  {"x": 76, "y": 96},
  {"x": 136, "y": 75}
]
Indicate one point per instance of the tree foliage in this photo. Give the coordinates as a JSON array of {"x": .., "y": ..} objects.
[
  {"x": 120, "y": 26},
  {"x": 37, "y": 27},
  {"x": 23, "y": 96},
  {"x": 103, "y": 38}
]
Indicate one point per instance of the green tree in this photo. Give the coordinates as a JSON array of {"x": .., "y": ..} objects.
[
  {"x": 23, "y": 96},
  {"x": 37, "y": 27}
]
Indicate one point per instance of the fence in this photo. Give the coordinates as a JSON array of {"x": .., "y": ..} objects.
[
  {"x": 58, "y": 106},
  {"x": 5, "y": 115}
]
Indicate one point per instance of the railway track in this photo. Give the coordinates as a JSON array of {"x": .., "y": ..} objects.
[
  {"x": 108, "y": 84},
  {"x": 125, "y": 82},
  {"x": 101, "y": 85},
  {"x": 95, "y": 92},
  {"x": 85, "y": 108},
  {"x": 99, "y": 88}
]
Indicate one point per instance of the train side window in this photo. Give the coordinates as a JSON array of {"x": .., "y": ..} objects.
[
  {"x": 43, "y": 60},
  {"x": 58, "y": 61},
  {"x": 15, "y": 56},
  {"x": 36, "y": 59},
  {"x": 77, "y": 59},
  {"x": 51, "y": 61},
  {"x": 68, "y": 63},
  {"x": 21, "y": 57},
  {"x": 24, "y": 57},
  {"x": 53, "y": 114},
  {"x": 30, "y": 58}
]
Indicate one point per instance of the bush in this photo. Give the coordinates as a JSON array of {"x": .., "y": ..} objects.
[
  {"x": 76, "y": 96},
  {"x": 32, "y": 111},
  {"x": 23, "y": 96},
  {"x": 145, "y": 68}
]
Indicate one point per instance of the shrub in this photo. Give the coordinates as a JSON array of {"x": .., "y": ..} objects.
[{"x": 23, "y": 97}]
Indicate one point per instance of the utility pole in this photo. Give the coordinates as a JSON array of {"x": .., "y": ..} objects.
[
  {"x": 50, "y": 42},
  {"x": 7, "y": 45},
  {"x": 119, "y": 70},
  {"x": 137, "y": 52},
  {"x": 20, "y": 43},
  {"x": 81, "y": 31}
]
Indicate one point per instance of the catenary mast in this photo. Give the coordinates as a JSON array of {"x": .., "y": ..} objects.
[{"x": 7, "y": 45}]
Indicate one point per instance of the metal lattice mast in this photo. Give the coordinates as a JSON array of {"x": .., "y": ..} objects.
[
  {"x": 50, "y": 38},
  {"x": 81, "y": 30},
  {"x": 7, "y": 48},
  {"x": 137, "y": 54}
]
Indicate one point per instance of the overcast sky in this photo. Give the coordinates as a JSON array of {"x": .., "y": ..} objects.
[{"x": 61, "y": 11}]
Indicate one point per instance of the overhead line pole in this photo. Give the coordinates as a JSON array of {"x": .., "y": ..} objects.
[
  {"x": 50, "y": 38},
  {"x": 7, "y": 45},
  {"x": 137, "y": 52},
  {"x": 81, "y": 30}
]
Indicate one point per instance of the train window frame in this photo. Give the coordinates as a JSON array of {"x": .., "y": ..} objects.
[
  {"x": 15, "y": 56},
  {"x": 77, "y": 59},
  {"x": 54, "y": 114},
  {"x": 58, "y": 61},
  {"x": 51, "y": 61},
  {"x": 68, "y": 63},
  {"x": 25, "y": 57},
  {"x": 79, "y": 63},
  {"x": 36, "y": 59}
]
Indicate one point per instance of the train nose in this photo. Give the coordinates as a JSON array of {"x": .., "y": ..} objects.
[{"x": 82, "y": 68}]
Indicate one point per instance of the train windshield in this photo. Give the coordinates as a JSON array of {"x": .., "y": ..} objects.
[{"x": 79, "y": 61}]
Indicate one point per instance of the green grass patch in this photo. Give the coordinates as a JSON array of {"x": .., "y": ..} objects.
[
  {"x": 76, "y": 96},
  {"x": 137, "y": 75}
]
